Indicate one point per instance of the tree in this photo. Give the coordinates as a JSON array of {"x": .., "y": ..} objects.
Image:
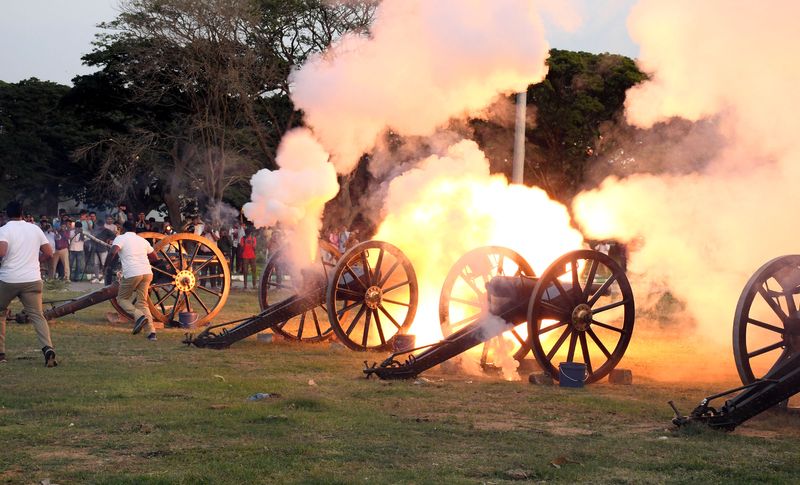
[
  {"x": 580, "y": 93},
  {"x": 37, "y": 136},
  {"x": 200, "y": 89}
]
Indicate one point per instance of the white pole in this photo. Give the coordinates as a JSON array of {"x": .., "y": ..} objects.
[{"x": 518, "y": 163}]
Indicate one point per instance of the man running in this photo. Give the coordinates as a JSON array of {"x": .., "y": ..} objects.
[
  {"x": 135, "y": 254},
  {"x": 21, "y": 277}
]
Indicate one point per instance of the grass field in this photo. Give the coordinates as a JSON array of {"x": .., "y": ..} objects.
[{"x": 120, "y": 409}]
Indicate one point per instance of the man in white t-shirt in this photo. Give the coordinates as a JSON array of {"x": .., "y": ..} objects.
[
  {"x": 135, "y": 254},
  {"x": 21, "y": 277}
]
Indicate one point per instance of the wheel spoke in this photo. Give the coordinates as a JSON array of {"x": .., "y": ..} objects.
[
  {"x": 611, "y": 279},
  {"x": 205, "y": 263},
  {"x": 209, "y": 291},
  {"x": 301, "y": 325},
  {"x": 556, "y": 310},
  {"x": 349, "y": 294},
  {"x": 500, "y": 271},
  {"x": 388, "y": 274},
  {"x": 180, "y": 253},
  {"x": 163, "y": 272},
  {"x": 345, "y": 308},
  {"x": 378, "y": 325},
  {"x": 466, "y": 320},
  {"x": 202, "y": 304},
  {"x": 367, "y": 324},
  {"x": 576, "y": 284},
  {"x": 378, "y": 264},
  {"x": 607, "y": 326},
  {"x": 766, "y": 325},
  {"x": 471, "y": 284},
  {"x": 599, "y": 344},
  {"x": 590, "y": 280},
  {"x": 389, "y": 316},
  {"x": 159, "y": 302},
  {"x": 557, "y": 284},
  {"x": 772, "y": 304},
  {"x": 573, "y": 339},
  {"x": 316, "y": 322},
  {"x": 367, "y": 269},
  {"x": 209, "y": 276},
  {"x": 610, "y": 306},
  {"x": 394, "y": 302},
  {"x": 518, "y": 337},
  {"x": 169, "y": 260},
  {"x": 399, "y": 285},
  {"x": 548, "y": 328},
  {"x": 466, "y": 302},
  {"x": 558, "y": 344},
  {"x": 766, "y": 349},
  {"x": 355, "y": 320},
  {"x": 354, "y": 275},
  {"x": 586, "y": 359}
]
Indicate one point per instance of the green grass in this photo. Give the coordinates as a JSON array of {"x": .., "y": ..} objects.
[{"x": 124, "y": 410}]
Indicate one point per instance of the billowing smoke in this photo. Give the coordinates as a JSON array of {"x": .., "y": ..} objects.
[
  {"x": 704, "y": 233},
  {"x": 294, "y": 195},
  {"x": 424, "y": 63}
]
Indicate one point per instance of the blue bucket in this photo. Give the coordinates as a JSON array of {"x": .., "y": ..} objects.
[
  {"x": 187, "y": 319},
  {"x": 571, "y": 374}
]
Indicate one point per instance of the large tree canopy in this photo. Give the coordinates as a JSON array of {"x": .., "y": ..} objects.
[{"x": 194, "y": 93}]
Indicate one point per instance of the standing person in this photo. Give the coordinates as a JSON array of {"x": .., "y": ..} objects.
[
  {"x": 248, "y": 245},
  {"x": 76, "y": 255},
  {"x": 62, "y": 251},
  {"x": 234, "y": 237},
  {"x": 20, "y": 277},
  {"x": 135, "y": 254}
]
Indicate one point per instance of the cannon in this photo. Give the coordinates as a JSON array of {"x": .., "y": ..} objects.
[
  {"x": 179, "y": 284},
  {"x": 766, "y": 348},
  {"x": 584, "y": 297},
  {"x": 365, "y": 297}
]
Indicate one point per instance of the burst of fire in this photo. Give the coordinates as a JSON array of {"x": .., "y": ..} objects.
[{"x": 450, "y": 205}]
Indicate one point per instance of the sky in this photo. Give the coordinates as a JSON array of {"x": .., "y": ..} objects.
[{"x": 47, "y": 38}]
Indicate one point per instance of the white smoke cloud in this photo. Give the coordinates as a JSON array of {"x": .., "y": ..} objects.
[
  {"x": 294, "y": 195},
  {"x": 705, "y": 233},
  {"x": 424, "y": 63}
]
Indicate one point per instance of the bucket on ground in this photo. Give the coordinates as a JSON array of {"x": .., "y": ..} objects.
[
  {"x": 403, "y": 342},
  {"x": 571, "y": 374},
  {"x": 187, "y": 319}
]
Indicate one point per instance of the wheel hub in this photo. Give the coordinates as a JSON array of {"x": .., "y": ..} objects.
[
  {"x": 581, "y": 317},
  {"x": 185, "y": 280},
  {"x": 373, "y": 297}
]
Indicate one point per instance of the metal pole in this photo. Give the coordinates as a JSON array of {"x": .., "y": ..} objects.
[{"x": 518, "y": 163}]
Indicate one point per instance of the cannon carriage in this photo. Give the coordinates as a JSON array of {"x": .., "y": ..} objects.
[
  {"x": 365, "y": 298},
  {"x": 181, "y": 283},
  {"x": 580, "y": 309},
  {"x": 766, "y": 348}
]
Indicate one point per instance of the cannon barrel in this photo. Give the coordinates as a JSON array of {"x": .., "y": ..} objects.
[{"x": 99, "y": 296}]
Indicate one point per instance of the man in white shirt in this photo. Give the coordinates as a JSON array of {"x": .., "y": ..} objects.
[
  {"x": 21, "y": 277},
  {"x": 135, "y": 254}
]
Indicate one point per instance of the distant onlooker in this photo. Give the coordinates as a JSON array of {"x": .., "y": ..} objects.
[
  {"x": 77, "y": 257},
  {"x": 141, "y": 223},
  {"x": 248, "y": 244},
  {"x": 61, "y": 255}
]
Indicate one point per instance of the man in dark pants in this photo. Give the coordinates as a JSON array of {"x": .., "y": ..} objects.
[{"x": 21, "y": 277}]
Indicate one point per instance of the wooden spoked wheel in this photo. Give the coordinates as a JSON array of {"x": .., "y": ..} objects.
[
  {"x": 372, "y": 296},
  {"x": 766, "y": 327},
  {"x": 463, "y": 299},
  {"x": 192, "y": 275},
  {"x": 277, "y": 285},
  {"x": 581, "y": 310},
  {"x": 152, "y": 238}
]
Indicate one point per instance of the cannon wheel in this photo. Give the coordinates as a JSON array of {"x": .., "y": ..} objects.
[
  {"x": 595, "y": 310},
  {"x": 372, "y": 296},
  {"x": 152, "y": 238},
  {"x": 273, "y": 289},
  {"x": 178, "y": 279},
  {"x": 468, "y": 278},
  {"x": 767, "y": 308}
]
